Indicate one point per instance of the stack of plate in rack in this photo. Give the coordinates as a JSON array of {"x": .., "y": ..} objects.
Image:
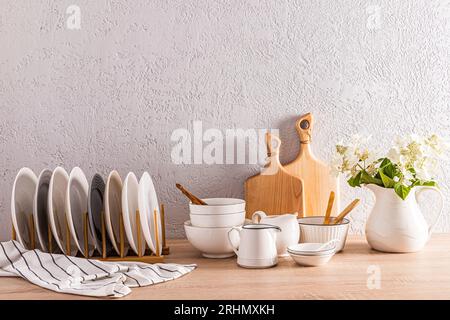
[{"x": 54, "y": 206}]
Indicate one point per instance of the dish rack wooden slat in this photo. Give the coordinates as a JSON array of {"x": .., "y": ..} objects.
[{"x": 147, "y": 256}]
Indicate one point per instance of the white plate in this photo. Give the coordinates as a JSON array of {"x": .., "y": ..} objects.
[
  {"x": 57, "y": 209},
  {"x": 40, "y": 211},
  {"x": 130, "y": 204},
  {"x": 22, "y": 204},
  {"x": 148, "y": 202},
  {"x": 113, "y": 210},
  {"x": 76, "y": 207}
]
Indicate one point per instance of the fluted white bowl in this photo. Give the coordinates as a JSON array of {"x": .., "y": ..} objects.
[{"x": 312, "y": 229}]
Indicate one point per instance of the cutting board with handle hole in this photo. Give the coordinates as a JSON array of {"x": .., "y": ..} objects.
[
  {"x": 274, "y": 190},
  {"x": 318, "y": 180}
]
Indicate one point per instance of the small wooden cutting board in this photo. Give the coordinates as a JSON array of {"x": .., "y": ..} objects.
[
  {"x": 316, "y": 175},
  {"x": 274, "y": 190}
]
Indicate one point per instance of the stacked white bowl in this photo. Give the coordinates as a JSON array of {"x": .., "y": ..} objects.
[
  {"x": 312, "y": 254},
  {"x": 207, "y": 230}
]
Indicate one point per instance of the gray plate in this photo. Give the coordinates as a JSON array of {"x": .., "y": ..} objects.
[{"x": 95, "y": 210}]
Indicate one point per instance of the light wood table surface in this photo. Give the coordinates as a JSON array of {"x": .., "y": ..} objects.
[{"x": 422, "y": 275}]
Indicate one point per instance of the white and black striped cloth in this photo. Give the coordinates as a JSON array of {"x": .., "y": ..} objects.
[{"x": 81, "y": 276}]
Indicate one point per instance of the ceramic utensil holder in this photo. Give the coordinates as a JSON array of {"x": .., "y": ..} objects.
[{"x": 147, "y": 256}]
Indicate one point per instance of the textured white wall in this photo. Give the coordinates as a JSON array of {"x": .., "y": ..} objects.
[{"x": 110, "y": 94}]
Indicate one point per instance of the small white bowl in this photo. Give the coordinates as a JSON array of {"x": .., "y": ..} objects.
[
  {"x": 218, "y": 220},
  {"x": 311, "y": 260},
  {"x": 212, "y": 242},
  {"x": 218, "y": 206},
  {"x": 312, "y": 229},
  {"x": 311, "y": 249}
]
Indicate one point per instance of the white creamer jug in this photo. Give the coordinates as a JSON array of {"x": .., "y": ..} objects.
[{"x": 256, "y": 247}]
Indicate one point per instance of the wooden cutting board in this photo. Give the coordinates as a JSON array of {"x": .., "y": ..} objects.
[
  {"x": 317, "y": 179},
  {"x": 273, "y": 191}
]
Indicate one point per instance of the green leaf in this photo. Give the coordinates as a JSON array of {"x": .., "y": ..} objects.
[
  {"x": 425, "y": 183},
  {"x": 385, "y": 162},
  {"x": 377, "y": 175},
  {"x": 429, "y": 184},
  {"x": 388, "y": 182},
  {"x": 368, "y": 179},
  {"x": 355, "y": 181},
  {"x": 390, "y": 171},
  {"x": 416, "y": 183},
  {"x": 401, "y": 190}
]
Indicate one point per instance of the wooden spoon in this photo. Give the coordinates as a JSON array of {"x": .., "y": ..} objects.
[
  {"x": 326, "y": 220},
  {"x": 191, "y": 197},
  {"x": 346, "y": 211}
]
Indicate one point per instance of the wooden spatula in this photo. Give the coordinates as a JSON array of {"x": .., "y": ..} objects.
[
  {"x": 317, "y": 179},
  {"x": 273, "y": 191},
  {"x": 194, "y": 199},
  {"x": 326, "y": 220},
  {"x": 346, "y": 211}
]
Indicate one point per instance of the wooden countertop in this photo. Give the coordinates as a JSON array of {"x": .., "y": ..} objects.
[{"x": 422, "y": 275}]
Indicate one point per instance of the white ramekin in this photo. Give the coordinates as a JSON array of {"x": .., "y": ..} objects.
[{"x": 311, "y": 260}]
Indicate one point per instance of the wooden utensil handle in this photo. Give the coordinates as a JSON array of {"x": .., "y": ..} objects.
[
  {"x": 304, "y": 127},
  {"x": 329, "y": 207},
  {"x": 191, "y": 197},
  {"x": 346, "y": 211}
]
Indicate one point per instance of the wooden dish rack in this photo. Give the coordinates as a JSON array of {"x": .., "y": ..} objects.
[{"x": 147, "y": 256}]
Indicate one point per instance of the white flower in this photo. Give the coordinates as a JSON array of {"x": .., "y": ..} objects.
[
  {"x": 407, "y": 175},
  {"x": 336, "y": 165},
  {"x": 415, "y": 158},
  {"x": 352, "y": 157},
  {"x": 394, "y": 155},
  {"x": 426, "y": 169}
]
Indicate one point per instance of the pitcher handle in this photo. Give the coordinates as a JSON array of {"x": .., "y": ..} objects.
[
  {"x": 258, "y": 214},
  {"x": 441, "y": 206},
  {"x": 233, "y": 245}
]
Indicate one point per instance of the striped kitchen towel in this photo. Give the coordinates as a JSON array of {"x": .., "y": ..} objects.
[{"x": 81, "y": 276}]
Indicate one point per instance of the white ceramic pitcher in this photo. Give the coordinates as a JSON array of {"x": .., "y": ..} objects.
[
  {"x": 290, "y": 230},
  {"x": 397, "y": 225},
  {"x": 256, "y": 247}
]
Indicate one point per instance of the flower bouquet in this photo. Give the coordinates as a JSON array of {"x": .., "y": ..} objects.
[{"x": 412, "y": 161}]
